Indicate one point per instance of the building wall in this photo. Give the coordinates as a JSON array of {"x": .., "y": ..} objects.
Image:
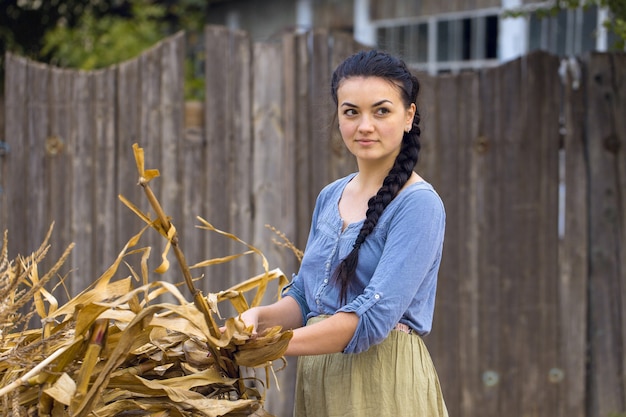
[
  {"x": 262, "y": 23},
  {"x": 393, "y": 9},
  {"x": 278, "y": 16}
]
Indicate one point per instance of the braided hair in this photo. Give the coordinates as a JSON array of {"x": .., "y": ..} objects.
[{"x": 374, "y": 63}]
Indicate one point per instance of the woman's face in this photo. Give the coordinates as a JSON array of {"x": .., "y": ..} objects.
[{"x": 372, "y": 118}]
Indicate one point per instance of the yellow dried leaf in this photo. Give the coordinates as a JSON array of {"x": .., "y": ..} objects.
[{"x": 63, "y": 389}]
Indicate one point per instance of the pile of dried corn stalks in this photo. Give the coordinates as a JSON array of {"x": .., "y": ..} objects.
[{"x": 116, "y": 349}]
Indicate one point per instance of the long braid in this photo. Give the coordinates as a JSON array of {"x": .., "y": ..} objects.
[{"x": 374, "y": 63}]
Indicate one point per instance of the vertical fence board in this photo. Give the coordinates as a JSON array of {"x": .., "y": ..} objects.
[
  {"x": 272, "y": 188},
  {"x": 427, "y": 107},
  {"x": 619, "y": 110},
  {"x": 151, "y": 137},
  {"x": 36, "y": 133},
  {"x": 342, "y": 162},
  {"x": 218, "y": 134},
  {"x": 574, "y": 249},
  {"x": 14, "y": 184},
  {"x": 469, "y": 298},
  {"x": 446, "y": 182},
  {"x": 305, "y": 197},
  {"x": 607, "y": 274},
  {"x": 59, "y": 163},
  {"x": 106, "y": 202},
  {"x": 540, "y": 178},
  {"x": 320, "y": 108},
  {"x": 241, "y": 222},
  {"x": 194, "y": 174},
  {"x": 489, "y": 249},
  {"x": 127, "y": 97},
  {"x": 510, "y": 244},
  {"x": 3, "y": 172},
  {"x": 82, "y": 183},
  {"x": 171, "y": 100}
]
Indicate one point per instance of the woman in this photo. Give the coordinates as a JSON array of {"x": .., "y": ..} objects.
[{"x": 367, "y": 281}]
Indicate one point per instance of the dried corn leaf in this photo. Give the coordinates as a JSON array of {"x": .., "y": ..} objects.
[{"x": 113, "y": 348}]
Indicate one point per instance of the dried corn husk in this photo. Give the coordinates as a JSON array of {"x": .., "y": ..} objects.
[{"x": 116, "y": 348}]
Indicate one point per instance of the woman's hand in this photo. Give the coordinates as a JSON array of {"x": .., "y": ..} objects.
[{"x": 250, "y": 317}]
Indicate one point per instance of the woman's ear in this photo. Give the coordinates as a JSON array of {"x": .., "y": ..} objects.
[{"x": 410, "y": 114}]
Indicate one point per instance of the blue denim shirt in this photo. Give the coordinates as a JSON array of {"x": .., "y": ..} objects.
[{"x": 396, "y": 276}]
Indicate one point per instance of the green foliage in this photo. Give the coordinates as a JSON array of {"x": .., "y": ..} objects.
[
  {"x": 100, "y": 41},
  {"x": 615, "y": 24}
]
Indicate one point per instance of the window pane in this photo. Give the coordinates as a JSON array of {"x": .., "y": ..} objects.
[
  {"x": 466, "y": 39},
  {"x": 443, "y": 40},
  {"x": 590, "y": 27},
  {"x": 422, "y": 42},
  {"x": 561, "y": 33},
  {"x": 491, "y": 40}
]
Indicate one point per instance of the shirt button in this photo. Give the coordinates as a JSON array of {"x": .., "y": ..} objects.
[
  {"x": 326, "y": 281},
  {"x": 318, "y": 302},
  {"x": 377, "y": 296}
]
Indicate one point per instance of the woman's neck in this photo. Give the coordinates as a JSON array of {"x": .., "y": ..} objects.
[{"x": 371, "y": 176}]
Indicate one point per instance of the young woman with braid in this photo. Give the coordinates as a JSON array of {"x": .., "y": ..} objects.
[{"x": 365, "y": 291}]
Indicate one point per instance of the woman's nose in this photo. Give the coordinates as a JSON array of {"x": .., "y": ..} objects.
[{"x": 365, "y": 124}]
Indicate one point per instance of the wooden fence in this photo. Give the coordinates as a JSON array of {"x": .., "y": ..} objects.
[{"x": 528, "y": 158}]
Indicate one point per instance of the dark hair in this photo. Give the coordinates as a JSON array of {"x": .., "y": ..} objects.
[{"x": 374, "y": 63}]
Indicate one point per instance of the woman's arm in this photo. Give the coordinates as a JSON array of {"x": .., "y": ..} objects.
[
  {"x": 330, "y": 335},
  {"x": 285, "y": 313},
  {"x": 327, "y": 336}
]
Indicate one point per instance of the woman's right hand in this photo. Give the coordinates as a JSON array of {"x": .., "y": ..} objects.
[{"x": 251, "y": 318}]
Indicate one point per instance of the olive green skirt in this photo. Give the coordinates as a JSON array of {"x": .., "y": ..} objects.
[{"x": 393, "y": 379}]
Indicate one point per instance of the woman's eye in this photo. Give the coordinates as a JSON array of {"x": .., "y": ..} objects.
[
  {"x": 349, "y": 112},
  {"x": 382, "y": 110}
]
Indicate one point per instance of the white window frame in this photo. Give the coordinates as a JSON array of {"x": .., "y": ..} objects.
[{"x": 433, "y": 66}]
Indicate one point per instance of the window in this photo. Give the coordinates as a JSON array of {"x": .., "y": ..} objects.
[
  {"x": 443, "y": 43},
  {"x": 570, "y": 32}
]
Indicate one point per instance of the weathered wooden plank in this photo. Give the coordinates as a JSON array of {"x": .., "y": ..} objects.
[
  {"x": 82, "y": 184},
  {"x": 150, "y": 137},
  {"x": 444, "y": 135},
  {"x": 607, "y": 274},
  {"x": 489, "y": 222},
  {"x": 219, "y": 135},
  {"x": 513, "y": 210},
  {"x": 170, "y": 67},
  {"x": 3, "y": 153},
  {"x": 107, "y": 244},
  {"x": 240, "y": 88},
  {"x": 273, "y": 186},
  {"x": 194, "y": 173},
  {"x": 37, "y": 125},
  {"x": 14, "y": 183},
  {"x": 304, "y": 199},
  {"x": 342, "y": 162},
  {"x": 289, "y": 116},
  {"x": 127, "y": 98},
  {"x": 574, "y": 249},
  {"x": 58, "y": 167},
  {"x": 470, "y": 199},
  {"x": 320, "y": 109},
  {"x": 427, "y": 106},
  {"x": 539, "y": 177},
  {"x": 618, "y": 65}
]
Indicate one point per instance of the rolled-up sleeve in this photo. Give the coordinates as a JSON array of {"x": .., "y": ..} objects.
[
  {"x": 297, "y": 293},
  {"x": 404, "y": 278}
]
